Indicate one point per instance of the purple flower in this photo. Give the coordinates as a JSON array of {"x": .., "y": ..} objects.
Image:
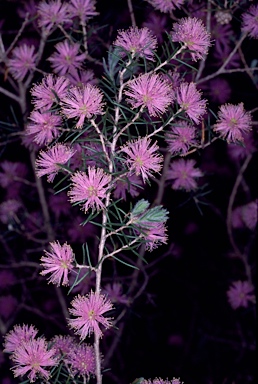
[
  {"x": 67, "y": 58},
  {"x": 8, "y": 210},
  {"x": 89, "y": 311},
  {"x": 183, "y": 174},
  {"x": 89, "y": 189},
  {"x": 157, "y": 24},
  {"x": 32, "y": 357},
  {"x": 22, "y": 61},
  {"x": 84, "y": 9},
  {"x": 130, "y": 184},
  {"x": 58, "y": 262},
  {"x": 194, "y": 35},
  {"x": 180, "y": 137},
  {"x": 250, "y": 23},
  {"x": 239, "y": 294},
  {"x": 83, "y": 103},
  {"x": 218, "y": 90},
  {"x": 143, "y": 158},
  {"x": 166, "y": 6},
  {"x": 189, "y": 99},
  {"x": 52, "y": 13},
  {"x": 233, "y": 122},
  {"x": 50, "y": 162},
  {"x": 81, "y": 359},
  {"x": 19, "y": 335},
  {"x": 44, "y": 126},
  {"x": 81, "y": 78},
  {"x": 150, "y": 91},
  {"x": 51, "y": 90},
  {"x": 11, "y": 171},
  {"x": 139, "y": 42},
  {"x": 249, "y": 214},
  {"x": 62, "y": 345},
  {"x": 115, "y": 293}
]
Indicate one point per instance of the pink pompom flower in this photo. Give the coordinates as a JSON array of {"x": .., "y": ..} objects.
[
  {"x": 183, "y": 174},
  {"x": 90, "y": 189},
  {"x": 81, "y": 359},
  {"x": 189, "y": 99},
  {"x": 58, "y": 262},
  {"x": 44, "y": 126},
  {"x": 32, "y": 358},
  {"x": 240, "y": 294},
  {"x": 150, "y": 91},
  {"x": 67, "y": 58},
  {"x": 50, "y": 162},
  {"x": 180, "y": 137},
  {"x": 192, "y": 33},
  {"x": 233, "y": 122},
  {"x": 143, "y": 158},
  {"x": 139, "y": 42},
  {"x": 83, "y": 103},
  {"x": 89, "y": 311},
  {"x": 51, "y": 90},
  {"x": 22, "y": 61},
  {"x": 84, "y": 9}
]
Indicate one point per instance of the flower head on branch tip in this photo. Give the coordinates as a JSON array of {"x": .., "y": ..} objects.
[
  {"x": 33, "y": 358},
  {"x": 50, "y": 162},
  {"x": 180, "y": 137},
  {"x": 58, "y": 262},
  {"x": 67, "y": 58},
  {"x": 83, "y": 103},
  {"x": 233, "y": 122},
  {"x": 84, "y": 9},
  {"x": 90, "y": 189},
  {"x": 18, "y": 335},
  {"x": 142, "y": 157},
  {"x": 138, "y": 42},
  {"x": 22, "y": 61},
  {"x": 250, "y": 23},
  {"x": 52, "y": 13},
  {"x": 189, "y": 99},
  {"x": 240, "y": 294},
  {"x": 89, "y": 311},
  {"x": 183, "y": 174},
  {"x": 192, "y": 33},
  {"x": 150, "y": 91}
]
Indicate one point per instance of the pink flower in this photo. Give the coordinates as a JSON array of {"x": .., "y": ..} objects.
[
  {"x": 32, "y": 357},
  {"x": 189, "y": 99},
  {"x": 51, "y": 90},
  {"x": 233, "y": 122},
  {"x": 89, "y": 189},
  {"x": 84, "y": 9},
  {"x": 58, "y": 262},
  {"x": 183, "y": 174},
  {"x": 180, "y": 138},
  {"x": 150, "y": 91},
  {"x": 166, "y": 6},
  {"x": 81, "y": 359},
  {"x": 52, "y": 13},
  {"x": 19, "y": 335},
  {"x": 143, "y": 158},
  {"x": 44, "y": 126},
  {"x": 51, "y": 161},
  {"x": 218, "y": 90},
  {"x": 154, "y": 234},
  {"x": 89, "y": 311},
  {"x": 139, "y": 42},
  {"x": 192, "y": 33},
  {"x": 22, "y": 61},
  {"x": 83, "y": 103},
  {"x": 67, "y": 58},
  {"x": 250, "y": 24},
  {"x": 239, "y": 294}
]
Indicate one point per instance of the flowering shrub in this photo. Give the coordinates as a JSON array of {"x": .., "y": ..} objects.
[{"x": 126, "y": 177}]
